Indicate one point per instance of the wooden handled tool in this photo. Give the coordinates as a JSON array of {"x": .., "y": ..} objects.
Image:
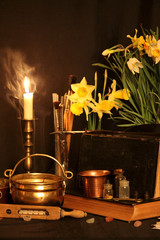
[
  {"x": 28, "y": 212},
  {"x": 73, "y": 213}
]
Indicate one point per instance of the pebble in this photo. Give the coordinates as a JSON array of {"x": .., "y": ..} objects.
[
  {"x": 109, "y": 219},
  {"x": 137, "y": 223},
  {"x": 90, "y": 220}
]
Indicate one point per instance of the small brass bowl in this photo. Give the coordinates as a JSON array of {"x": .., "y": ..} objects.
[{"x": 93, "y": 182}]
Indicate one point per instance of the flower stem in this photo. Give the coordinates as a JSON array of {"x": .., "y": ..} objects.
[
  {"x": 105, "y": 82},
  {"x": 99, "y": 125}
]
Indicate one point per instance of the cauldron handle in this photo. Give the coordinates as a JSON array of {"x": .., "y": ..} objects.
[{"x": 11, "y": 172}]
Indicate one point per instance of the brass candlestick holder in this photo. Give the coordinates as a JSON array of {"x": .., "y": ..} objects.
[{"x": 28, "y": 130}]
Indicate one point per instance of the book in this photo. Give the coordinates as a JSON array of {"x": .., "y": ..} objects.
[{"x": 120, "y": 211}]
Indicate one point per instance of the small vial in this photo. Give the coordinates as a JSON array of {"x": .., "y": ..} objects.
[
  {"x": 107, "y": 191},
  {"x": 118, "y": 177},
  {"x": 124, "y": 190}
]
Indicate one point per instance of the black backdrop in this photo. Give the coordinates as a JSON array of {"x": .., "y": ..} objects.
[{"x": 56, "y": 38}]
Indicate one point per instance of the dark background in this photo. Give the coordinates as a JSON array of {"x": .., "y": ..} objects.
[{"x": 56, "y": 38}]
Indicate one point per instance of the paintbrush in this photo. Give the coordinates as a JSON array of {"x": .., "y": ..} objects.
[
  {"x": 68, "y": 115},
  {"x": 56, "y": 106}
]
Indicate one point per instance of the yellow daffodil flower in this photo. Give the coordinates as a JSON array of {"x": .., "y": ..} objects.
[
  {"x": 108, "y": 52},
  {"x": 103, "y": 106},
  {"x": 82, "y": 99},
  {"x": 134, "y": 65},
  {"x": 77, "y": 108},
  {"x": 82, "y": 91},
  {"x": 122, "y": 94},
  {"x": 119, "y": 94},
  {"x": 155, "y": 52},
  {"x": 137, "y": 42},
  {"x": 150, "y": 40},
  {"x": 152, "y": 48},
  {"x": 150, "y": 43}
]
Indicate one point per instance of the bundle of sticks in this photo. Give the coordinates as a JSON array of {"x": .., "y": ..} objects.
[{"x": 63, "y": 123}]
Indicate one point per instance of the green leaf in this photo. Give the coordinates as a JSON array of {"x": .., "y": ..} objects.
[{"x": 100, "y": 65}]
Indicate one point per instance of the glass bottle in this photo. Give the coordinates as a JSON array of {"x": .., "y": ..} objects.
[
  {"x": 118, "y": 177},
  {"x": 124, "y": 190},
  {"x": 107, "y": 190}
]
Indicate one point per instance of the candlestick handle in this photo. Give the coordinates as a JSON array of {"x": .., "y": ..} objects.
[{"x": 28, "y": 130}]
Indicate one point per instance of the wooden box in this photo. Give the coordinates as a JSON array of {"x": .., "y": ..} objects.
[{"x": 137, "y": 154}]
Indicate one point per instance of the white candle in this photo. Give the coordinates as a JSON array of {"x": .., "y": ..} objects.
[{"x": 28, "y": 101}]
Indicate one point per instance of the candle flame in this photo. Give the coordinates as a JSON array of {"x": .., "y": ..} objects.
[{"x": 26, "y": 84}]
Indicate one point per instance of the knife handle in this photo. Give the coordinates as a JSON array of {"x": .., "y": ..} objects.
[{"x": 73, "y": 213}]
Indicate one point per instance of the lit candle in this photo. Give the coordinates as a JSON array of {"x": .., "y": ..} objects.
[{"x": 28, "y": 101}]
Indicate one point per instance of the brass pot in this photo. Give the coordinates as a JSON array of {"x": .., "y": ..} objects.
[
  {"x": 37, "y": 188},
  {"x": 92, "y": 182}
]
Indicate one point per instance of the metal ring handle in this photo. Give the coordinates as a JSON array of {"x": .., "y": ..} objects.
[
  {"x": 1, "y": 194},
  {"x": 11, "y": 172}
]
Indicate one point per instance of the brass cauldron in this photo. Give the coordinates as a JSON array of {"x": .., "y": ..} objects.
[{"x": 37, "y": 188}]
